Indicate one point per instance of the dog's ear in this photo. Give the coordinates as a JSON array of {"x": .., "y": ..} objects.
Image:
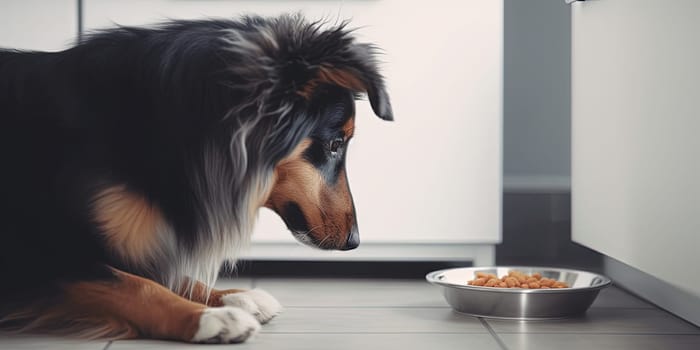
[
  {"x": 359, "y": 74},
  {"x": 372, "y": 84}
]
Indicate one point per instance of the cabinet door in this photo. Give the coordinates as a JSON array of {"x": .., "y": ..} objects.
[
  {"x": 38, "y": 24},
  {"x": 636, "y": 150},
  {"x": 433, "y": 175}
]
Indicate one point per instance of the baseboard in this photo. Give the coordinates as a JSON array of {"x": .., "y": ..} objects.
[
  {"x": 672, "y": 299},
  {"x": 479, "y": 254},
  {"x": 340, "y": 269}
]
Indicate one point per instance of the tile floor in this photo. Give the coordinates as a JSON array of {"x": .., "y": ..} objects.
[{"x": 410, "y": 314}]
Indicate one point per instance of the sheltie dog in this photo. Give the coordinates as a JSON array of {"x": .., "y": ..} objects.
[{"x": 134, "y": 165}]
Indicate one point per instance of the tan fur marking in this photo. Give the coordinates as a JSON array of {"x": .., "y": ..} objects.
[
  {"x": 349, "y": 128},
  {"x": 200, "y": 294},
  {"x": 127, "y": 307},
  {"x": 297, "y": 180},
  {"x": 129, "y": 222},
  {"x": 339, "y": 215},
  {"x": 151, "y": 308},
  {"x": 342, "y": 78},
  {"x": 331, "y": 75},
  {"x": 297, "y": 152}
]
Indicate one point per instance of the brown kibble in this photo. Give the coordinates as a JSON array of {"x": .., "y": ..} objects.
[
  {"x": 516, "y": 279},
  {"x": 480, "y": 281},
  {"x": 547, "y": 282},
  {"x": 485, "y": 275},
  {"x": 492, "y": 282}
]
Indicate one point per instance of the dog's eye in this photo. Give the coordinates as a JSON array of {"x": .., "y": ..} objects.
[{"x": 335, "y": 145}]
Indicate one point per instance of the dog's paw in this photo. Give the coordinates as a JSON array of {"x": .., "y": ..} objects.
[
  {"x": 224, "y": 325},
  {"x": 257, "y": 302}
]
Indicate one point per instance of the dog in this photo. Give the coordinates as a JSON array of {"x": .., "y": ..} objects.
[{"x": 134, "y": 165}]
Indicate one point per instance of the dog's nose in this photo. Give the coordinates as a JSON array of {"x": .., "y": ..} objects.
[{"x": 353, "y": 239}]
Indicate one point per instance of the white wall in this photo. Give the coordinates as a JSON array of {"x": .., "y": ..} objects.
[{"x": 38, "y": 24}]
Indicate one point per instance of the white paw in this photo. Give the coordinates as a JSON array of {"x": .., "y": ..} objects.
[
  {"x": 225, "y": 325},
  {"x": 257, "y": 302}
]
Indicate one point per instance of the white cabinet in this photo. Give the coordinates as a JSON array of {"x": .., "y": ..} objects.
[
  {"x": 38, "y": 24},
  {"x": 635, "y": 124},
  {"x": 432, "y": 178}
]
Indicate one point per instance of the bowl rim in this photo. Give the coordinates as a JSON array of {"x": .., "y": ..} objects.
[{"x": 433, "y": 278}]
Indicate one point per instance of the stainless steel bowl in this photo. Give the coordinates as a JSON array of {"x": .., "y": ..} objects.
[{"x": 516, "y": 303}]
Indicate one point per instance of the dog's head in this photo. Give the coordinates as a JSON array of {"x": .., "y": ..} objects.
[
  {"x": 318, "y": 73},
  {"x": 310, "y": 190},
  {"x": 287, "y": 90}
]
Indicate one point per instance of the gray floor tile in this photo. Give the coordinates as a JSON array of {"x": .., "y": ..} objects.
[
  {"x": 333, "y": 341},
  {"x": 139, "y": 344},
  {"x": 616, "y": 297},
  {"x": 237, "y": 283},
  {"x": 600, "y": 341},
  {"x": 297, "y": 292},
  {"x": 27, "y": 342},
  {"x": 400, "y": 314},
  {"x": 371, "y": 342},
  {"x": 603, "y": 321},
  {"x": 373, "y": 320}
]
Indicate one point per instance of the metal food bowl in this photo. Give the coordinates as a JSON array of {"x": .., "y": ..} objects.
[{"x": 517, "y": 303}]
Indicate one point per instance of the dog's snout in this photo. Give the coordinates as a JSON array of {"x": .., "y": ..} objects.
[{"x": 353, "y": 239}]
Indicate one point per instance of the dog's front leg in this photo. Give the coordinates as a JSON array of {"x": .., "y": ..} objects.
[
  {"x": 136, "y": 307},
  {"x": 257, "y": 302}
]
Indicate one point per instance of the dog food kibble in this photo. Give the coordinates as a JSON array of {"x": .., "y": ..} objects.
[{"x": 516, "y": 279}]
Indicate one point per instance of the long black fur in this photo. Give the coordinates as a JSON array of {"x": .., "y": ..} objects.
[{"x": 141, "y": 107}]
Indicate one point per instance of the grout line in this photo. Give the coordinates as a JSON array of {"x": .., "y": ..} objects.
[
  {"x": 622, "y": 308},
  {"x": 424, "y": 307},
  {"x": 408, "y": 332},
  {"x": 108, "y": 345},
  {"x": 602, "y": 333},
  {"x": 495, "y": 336},
  {"x": 364, "y": 307}
]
